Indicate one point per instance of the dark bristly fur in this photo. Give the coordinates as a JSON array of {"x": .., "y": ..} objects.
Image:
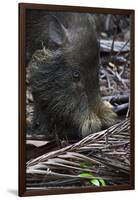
[{"x": 63, "y": 54}]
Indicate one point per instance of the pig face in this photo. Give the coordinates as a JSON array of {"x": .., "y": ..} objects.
[{"x": 64, "y": 77}]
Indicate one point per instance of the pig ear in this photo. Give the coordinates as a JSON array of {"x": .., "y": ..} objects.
[{"x": 57, "y": 32}]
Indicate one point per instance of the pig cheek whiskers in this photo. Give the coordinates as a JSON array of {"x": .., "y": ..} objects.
[{"x": 91, "y": 124}]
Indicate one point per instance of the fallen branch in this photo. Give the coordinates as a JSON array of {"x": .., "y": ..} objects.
[
  {"x": 87, "y": 140},
  {"x": 121, "y": 109},
  {"x": 104, "y": 154},
  {"x": 119, "y": 99},
  {"x": 119, "y": 46}
]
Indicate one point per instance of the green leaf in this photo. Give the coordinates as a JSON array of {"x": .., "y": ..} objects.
[
  {"x": 85, "y": 174},
  {"x": 102, "y": 182},
  {"x": 83, "y": 165},
  {"x": 95, "y": 182}
]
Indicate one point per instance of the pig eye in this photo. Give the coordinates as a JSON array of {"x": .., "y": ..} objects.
[{"x": 76, "y": 75}]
